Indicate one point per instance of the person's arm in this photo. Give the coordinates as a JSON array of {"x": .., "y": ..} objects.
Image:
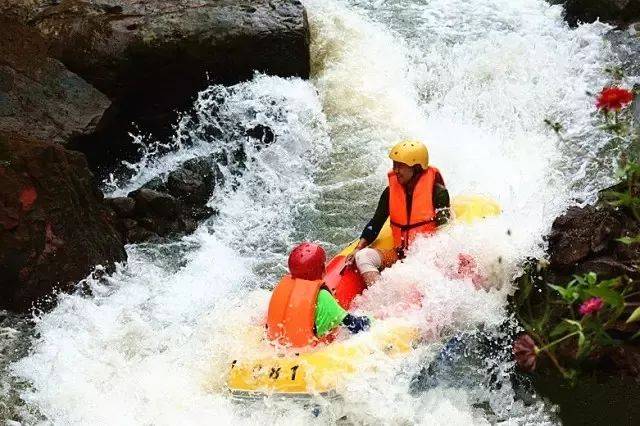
[
  {"x": 372, "y": 229},
  {"x": 441, "y": 203},
  {"x": 329, "y": 315}
]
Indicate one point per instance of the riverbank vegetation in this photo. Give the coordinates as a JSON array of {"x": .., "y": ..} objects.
[{"x": 580, "y": 309}]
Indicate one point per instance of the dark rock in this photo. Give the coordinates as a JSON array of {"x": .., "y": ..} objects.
[
  {"x": 618, "y": 12},
  {"x": 607, "y": 228},
  {"x": 39, "y": 97},
  {"x": 581, "y": 232},
  {"x": 570, "y": 239},
  {"x": 141, "y": 235},
  {"x": 156, "y": 216},
  {"x": 151, "y": 57},
  {"x": 54, "y": 224},
  {"x": 20, "y": 11},
  {"x": 129, "y": 224},
  {"x": 123, "y": 206},
  {"x": 160, "y": 210},
  {"x": 190, "y": 226},
  {"x": 605, "y": 267},
  {"x": 202, "y": 167},
  {"x": 263, "y": 134},
  {"x": 151, "y": 224},
  {"x": 200, "y": 212},
  {"x": 586, "y": 240},
  {"x": 193, "y": 182},
  {"x": 187, "y": 186},
  {"x": 157, "y": 184},
  {"x": 624, "y": 358},
  {"x": 106, "y": 40},
  {"x": 153, "y": 203}
]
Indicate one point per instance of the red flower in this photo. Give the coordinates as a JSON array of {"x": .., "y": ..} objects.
[
  {"x": 614, "y": 98},
  {"x": 525, "y": 352},
  {"x": 591, "y": 306}
]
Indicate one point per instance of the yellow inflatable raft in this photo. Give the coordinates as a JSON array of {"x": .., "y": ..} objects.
[{"x": 321, "y": 370}]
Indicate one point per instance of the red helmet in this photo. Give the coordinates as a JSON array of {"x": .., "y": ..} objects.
[{"x": 306, "y": 261}]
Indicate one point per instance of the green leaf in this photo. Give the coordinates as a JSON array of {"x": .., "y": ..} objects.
[
  {"x": 615, "y": 194},
  {"x": 577, "y": 280},
  {"x": 561, "y": 328},
  {"x": 629, "y": 240},
  {"x": 604, "y": 339},
  {"x": 635, "y": 336},
  {"x": 563, "y": 291},
  {"x": 610, "y": 297},
  {"x": 575, "y": 323},
  {"x": 635, "y": 316},
  {"x": 570, "y": 294},
  {"x": 633, "y": 168},
  {"x": 610, "y": 283},
  {"x": 620, "y": 198},
  {"x": 584, "y": 346},
  {"x": 570, "y": 374},
  {"x": 581, "y": 341},
  {"x": 592, "y": 278}
]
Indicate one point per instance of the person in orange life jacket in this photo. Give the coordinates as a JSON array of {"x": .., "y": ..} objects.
[
  {"x": 416, "y": 201},
  {"x": 302, "y": 310}
]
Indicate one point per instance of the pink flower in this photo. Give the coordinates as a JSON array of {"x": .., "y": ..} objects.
[
  {"x": 525, "y": 352},
  {"x": 614, "y": 98},
  {"x": 591, "y": 306}
]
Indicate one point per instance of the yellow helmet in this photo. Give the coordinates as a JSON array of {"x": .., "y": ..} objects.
[{"x": 410, "y": 153}]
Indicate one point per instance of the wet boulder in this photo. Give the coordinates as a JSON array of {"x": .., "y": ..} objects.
[
  {"x": 193, "y": 182},
  {"x": 617, "y": 12},
  {"x": 157, "y": 184},
  {"x": 39, "y": 97},
  {"x": 579, "y": 233},
  {"x": 166, "y": 209},
  {"x": 151, "y": 57},
  {"x": 20, "y": 11},
  {"x": 586, "y": 239},
  {"x": 124, "y": 207},
  {"x": 150, "y": 203},
  {"x": 54, "y": 225}
]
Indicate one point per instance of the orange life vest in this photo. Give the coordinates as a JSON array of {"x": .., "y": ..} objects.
[
  {"x": 405, "y": 224},
  {"x": 292, "y": 310}
]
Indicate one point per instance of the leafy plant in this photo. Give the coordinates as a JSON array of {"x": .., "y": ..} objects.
[
  {"x": 580, "y": 313},
  {"x": 569, "y": 322}
]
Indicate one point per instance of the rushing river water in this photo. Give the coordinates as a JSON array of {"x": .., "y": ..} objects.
[{"x": 475, "y": 80}]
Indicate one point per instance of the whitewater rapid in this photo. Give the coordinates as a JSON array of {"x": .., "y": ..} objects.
[{"x": 473, "y": 79}]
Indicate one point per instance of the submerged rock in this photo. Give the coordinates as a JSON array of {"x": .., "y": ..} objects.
[
  {"x": 54, "y": 226},
  {"x": 39, "y": 97},
  {"x": 151, "y": 57},
  {"x": 159, "y": 210},
  {"x": 193, "y": 182}
]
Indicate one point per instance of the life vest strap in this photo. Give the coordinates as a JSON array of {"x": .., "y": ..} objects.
[{"x": 413, "y": 225}]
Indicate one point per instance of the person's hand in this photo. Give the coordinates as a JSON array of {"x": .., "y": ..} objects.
[{"x": 351, "y": 257}]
